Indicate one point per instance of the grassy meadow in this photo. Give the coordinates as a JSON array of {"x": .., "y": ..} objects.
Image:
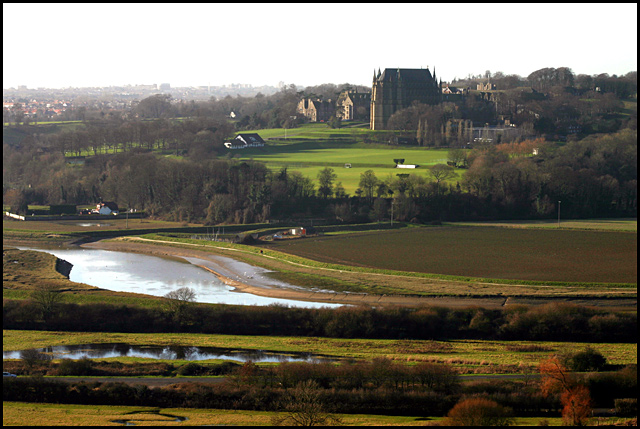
[
  {"x": 104, "y": 415},
  {"x": 312, "y": 147},
  {"x": 468, "y": 356}
]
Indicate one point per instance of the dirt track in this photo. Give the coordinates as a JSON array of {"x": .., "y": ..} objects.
[{"x": 351, "y": 298}]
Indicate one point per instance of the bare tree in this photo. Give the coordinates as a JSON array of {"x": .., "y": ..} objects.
[
  {"x": 47, "y": 297},
  {"x": 304, "y": 407},
  {"x": 32, "y": 358},
  {"x": 442, "y": 172},
  {"x": 179, "y": 303}
]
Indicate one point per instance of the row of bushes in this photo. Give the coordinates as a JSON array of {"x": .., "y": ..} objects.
[
  {"x": 549, "y": 322},
  {"x": 35, "y": 362},
  {"x": 384, "y": 391},
  {"x": 229, "y": 396}
]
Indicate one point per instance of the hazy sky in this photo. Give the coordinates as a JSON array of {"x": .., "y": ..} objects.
[{"x": 62, "y": 45}]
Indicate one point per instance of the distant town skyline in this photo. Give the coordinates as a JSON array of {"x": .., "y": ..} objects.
[{"x": 64, "y": 45}]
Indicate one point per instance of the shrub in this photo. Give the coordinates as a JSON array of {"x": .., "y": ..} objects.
[
  {"x": 190, "y": 368},
  {"x": 82, "y": 366},
  {"x": 626, "y": 407},
  {"x": 587, "y": 360},
  {"x": 479, "y": 412},
  {"x": 33, "y": 358}
]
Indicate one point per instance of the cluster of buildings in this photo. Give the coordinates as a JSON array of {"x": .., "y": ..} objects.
[
  {"x": 34, "y": 108},
  {"x": 392, "y": 90},
  {"x": 44, "y": 104}
]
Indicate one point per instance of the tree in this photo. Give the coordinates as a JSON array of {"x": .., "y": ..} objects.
[
  {"x": 17, "y": 201},
  {"x": 47, "y": 297},
  {"x": 179, "y": 303},
  {"x": 587, "y": 360},
  {"x": 335, "y": 122},
  {"x": 457, "y": 156},
  {"x": 339, "y": 191},
  {"x": 380, "y": 209},
  {"x": 32, "y": 358},
  {"x": 575, "y": 398},
  {"x": 304, "y": 407},
  {"x": 479, "y": 412},
  {"x": 368, "y": 183},
  {"x": 326, "y": 177},
  {"x": 576, "y": 406},
  {"x": 441, "y": 172},
  {"x": 156, "y": 106}
]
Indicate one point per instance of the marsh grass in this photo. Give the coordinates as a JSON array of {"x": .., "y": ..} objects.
[
  {"x": 34, "y": 414},
  {"x": 477, "y": 355}
]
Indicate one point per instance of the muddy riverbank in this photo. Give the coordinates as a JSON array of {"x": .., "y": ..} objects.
[{"x": 243, "y": 282}]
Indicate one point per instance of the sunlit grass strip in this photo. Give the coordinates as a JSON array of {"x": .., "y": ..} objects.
[
  {"x": 618, "y": 225},
  {"x": 38, "y": 414},
  {"x": 158, "y": 238}
]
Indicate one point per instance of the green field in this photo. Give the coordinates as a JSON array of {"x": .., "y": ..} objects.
[
  {"x": 485, "y": 252},
  {"x": 312, "y": 147}
]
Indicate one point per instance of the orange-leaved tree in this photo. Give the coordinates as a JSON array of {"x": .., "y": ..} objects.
[{"x": 575, "y": 397}]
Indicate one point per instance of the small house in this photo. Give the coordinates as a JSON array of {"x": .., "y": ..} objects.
[
  {"x": 106, "y": 208},
  {"x": 245, "y": 140},
  {"x": 298, "y": 231}
]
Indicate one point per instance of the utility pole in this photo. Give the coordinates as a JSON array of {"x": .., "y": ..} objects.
[
  {"x": 392, "y": 204},
  {"x": 559, "y": 213}
]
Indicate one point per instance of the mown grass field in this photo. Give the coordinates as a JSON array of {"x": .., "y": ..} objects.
[
  {"x": 485, "y": 252},
  {"x": 312, "y": 147},
  {"x": 469, "y": 356}
]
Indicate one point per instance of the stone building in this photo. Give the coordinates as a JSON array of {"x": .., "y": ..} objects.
[
  {"x": 316, "y": 110},
  {"x": 397, "y": 89},
  {"x": 486, "y": 86},
  {"x": 353, "y": 105}
]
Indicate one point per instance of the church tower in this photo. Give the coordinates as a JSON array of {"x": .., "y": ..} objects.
[{"x": 396, "y": 89}]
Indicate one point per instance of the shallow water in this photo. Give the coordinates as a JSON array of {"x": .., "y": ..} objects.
[
  {"x": 104, "y": 351},
  {"x": 152, "y": 275}
]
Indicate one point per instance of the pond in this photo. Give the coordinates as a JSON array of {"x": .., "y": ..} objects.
[
  {"x": 190, "y": 353},
  {"x": 152, "y": 275}
]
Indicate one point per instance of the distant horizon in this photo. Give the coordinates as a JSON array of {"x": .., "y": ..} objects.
[
  {"x": 253, "y": 85},
  {"x": 83, "y": 45}
]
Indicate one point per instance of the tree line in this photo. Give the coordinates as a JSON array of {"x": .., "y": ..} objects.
[
  {"x": 382, "y": 387},
  {"x": 549, "y": 322},
  {"x": 593, "y": 177}
]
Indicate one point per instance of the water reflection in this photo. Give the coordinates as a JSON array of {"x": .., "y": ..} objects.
[
  {"x": 172, "y": 352},
  {"x": 152, "y": 275}
]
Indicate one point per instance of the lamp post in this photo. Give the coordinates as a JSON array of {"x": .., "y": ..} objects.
[
  {"x": 559, "y": 213},
  {"x": 393, "y": 201}
]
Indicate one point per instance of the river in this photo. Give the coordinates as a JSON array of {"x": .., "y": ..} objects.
[{"x": 152, "y": 275}]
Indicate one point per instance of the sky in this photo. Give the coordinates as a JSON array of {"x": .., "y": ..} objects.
[{"x": 60, "y": 45}]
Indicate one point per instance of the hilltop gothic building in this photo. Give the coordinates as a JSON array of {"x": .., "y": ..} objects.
[
  {"x": 316, "y": 110},
  {"x": 396, "y": 89},
  {"x": 354, "y": 105}
]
